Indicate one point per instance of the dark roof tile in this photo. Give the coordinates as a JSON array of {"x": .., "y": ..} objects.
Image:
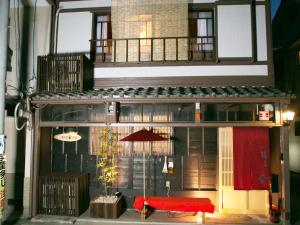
[{"x": 166, "y": 92}]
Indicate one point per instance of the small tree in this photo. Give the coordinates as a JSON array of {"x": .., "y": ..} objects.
[{"x": 107, "y": 161}]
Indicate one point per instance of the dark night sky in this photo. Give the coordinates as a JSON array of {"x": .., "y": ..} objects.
[{"x": 274, "y": 6}]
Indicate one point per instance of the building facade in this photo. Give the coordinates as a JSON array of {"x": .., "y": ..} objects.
[{"x": 199, "y": 73}]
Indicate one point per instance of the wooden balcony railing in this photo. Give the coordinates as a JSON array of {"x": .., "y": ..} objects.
[
  {"x": 64, "y": 73},
  {"x": 154, "y": 49}
]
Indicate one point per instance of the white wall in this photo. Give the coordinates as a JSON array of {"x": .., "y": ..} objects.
[
  {"x": 74, "y": 32},
  {"x": 234, "y": 31},
  {"x": 38, "y": 44},
  {"x": 294, "y": 143},
  {"x": 181, "y": 71},
  {"x": 261, "y": 30},
  {"x": 202, "y": 1},
  {"x": 11, "y": 146},
  {"x": 85, "y": 4},
  {"x": 12, "y": 78},
  {"x": 41, "y": 44}
]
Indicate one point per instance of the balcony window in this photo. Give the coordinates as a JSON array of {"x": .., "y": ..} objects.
[
  {"x": 143, "y": 39},
  {"x": 201, "y": 33},
  {"x": 103, "y": 35}
]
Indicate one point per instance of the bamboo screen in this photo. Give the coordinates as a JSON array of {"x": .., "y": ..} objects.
[
  {"x": 133, "y": 148},
  {"x": 146, "y": 19}
]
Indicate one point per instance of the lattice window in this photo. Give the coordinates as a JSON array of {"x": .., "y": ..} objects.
[
  {"x": 133, "y": 148},
  {"x": 226, "y": 156}
]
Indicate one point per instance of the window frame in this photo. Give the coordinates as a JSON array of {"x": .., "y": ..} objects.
[
  {"x": 103, "y": 12},
  {"x": 197, "y": 48}
]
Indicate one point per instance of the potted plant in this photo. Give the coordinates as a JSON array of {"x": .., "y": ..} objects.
[{"x": 107, "y": 205}]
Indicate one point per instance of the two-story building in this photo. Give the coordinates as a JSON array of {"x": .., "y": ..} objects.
[{"x": 198, "y": 72}]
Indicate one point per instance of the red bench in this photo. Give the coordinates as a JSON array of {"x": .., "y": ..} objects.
[{"x": 176, "y": 204}]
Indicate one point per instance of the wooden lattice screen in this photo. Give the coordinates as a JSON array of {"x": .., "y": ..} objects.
[
  {"x": 64, "y": 73},
  {"x": 63, "y": 194}
]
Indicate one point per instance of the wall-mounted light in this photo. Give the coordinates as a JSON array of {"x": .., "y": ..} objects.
[
  {"x": 69, "y": 134},
  {"x": 287, "y": 117}
]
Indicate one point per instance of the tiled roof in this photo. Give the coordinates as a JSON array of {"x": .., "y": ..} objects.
[{"x": 165, "y": 92}]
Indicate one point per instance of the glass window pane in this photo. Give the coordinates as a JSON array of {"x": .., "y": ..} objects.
[
  {"x": 147, "y": 112},
  {"x": 195, "y": 141},
  {"x": 180, "y": 141},
  {"x": 160, "y": 113},
  {"x": 103, "y": 18},
  {"x": 202, "y": 28},
  {"x": 236, "y": 112},
  {"x": 210, "y": 28},
  {"x": 205, "y": 15},
  {"x": 210, "y": 142},
  {"x": 182, "y": 112},
  {"x": 75, "y": 113},
  {"x": 98, "y": 32},
  {"x": 130, "y": 113},
  {"x": 104, "y": 31},
  {"x": 65, "y": 113},
  {"x": 97, "y": 113}
]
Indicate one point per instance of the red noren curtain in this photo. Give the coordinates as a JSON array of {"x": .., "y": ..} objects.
[{"x": 251, "y": 158}]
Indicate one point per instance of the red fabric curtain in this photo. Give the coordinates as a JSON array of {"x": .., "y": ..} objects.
[{"x": 251, "y": 158}]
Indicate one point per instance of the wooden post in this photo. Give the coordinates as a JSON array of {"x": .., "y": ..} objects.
[
  {"x": 143, "y": 212},
  {"x": 203, "y": 217},
  {"x": 285, "y": 172}
]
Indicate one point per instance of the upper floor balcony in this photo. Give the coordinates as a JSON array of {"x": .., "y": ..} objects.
[
  {"x": 64, "y": 73},
  {"x": 170, "y": 43},
  {"x": 154, "y": 50}
]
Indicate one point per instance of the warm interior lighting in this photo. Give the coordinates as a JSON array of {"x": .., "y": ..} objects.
[
  {"x": 68, "y": 136},
  {"x": 287, "y": 117}
]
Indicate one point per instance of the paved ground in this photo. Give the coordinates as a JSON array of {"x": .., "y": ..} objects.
[
  {"x": 157, "y": 218},
  {"x": 84, "y": 220}
]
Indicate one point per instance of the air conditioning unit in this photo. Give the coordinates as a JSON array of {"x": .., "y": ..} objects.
[{"x": 112, "y": 110}]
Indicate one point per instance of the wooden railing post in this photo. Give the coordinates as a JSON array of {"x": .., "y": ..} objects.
[
  {"x": 151, "y": 57},
  {"x": 82, "y": 65},
  {"x": 127, "y": 52},
  {"x": 139, "y": 50},
  {"x": 164, "y": 49},
  {"x": 115, "y": 50},
  {"x": 176, "y": 49}
]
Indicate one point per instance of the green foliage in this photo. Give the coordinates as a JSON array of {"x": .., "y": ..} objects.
[{"x": 107, "y": 158}]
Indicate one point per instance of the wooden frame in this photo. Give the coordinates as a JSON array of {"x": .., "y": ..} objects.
[
  {"x": 64, "y": 73},
  {"x": 63, "y": 194},
  {"x": 107, "y": 210}
]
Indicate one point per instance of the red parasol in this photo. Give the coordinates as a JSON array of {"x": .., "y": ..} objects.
[{"x": 143, "y": 136}]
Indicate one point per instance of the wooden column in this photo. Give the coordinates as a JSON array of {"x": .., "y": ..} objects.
[
  {"x": 35, "y": 163},
  {"x": 285, "y": 174}
]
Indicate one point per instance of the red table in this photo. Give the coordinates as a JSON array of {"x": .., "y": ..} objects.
[{"x": 176, "y": 204}]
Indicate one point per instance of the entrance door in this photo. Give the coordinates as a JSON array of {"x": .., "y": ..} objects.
[{"x": 230, "y": 200}]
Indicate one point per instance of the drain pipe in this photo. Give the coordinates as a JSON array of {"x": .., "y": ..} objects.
[{"x": 4, "y": 15}]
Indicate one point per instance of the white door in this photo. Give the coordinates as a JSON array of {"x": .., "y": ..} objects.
[{"x": 230, "y": 200}]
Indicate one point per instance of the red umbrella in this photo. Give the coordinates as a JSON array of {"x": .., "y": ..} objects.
[{"x": 143, "y": 136}]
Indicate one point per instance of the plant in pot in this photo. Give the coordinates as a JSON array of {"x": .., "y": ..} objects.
[
  {"x": 107, "y": 205},
  {"x": 107, "y": 162}
]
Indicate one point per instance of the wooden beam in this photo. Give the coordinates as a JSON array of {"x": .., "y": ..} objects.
[{"x": 52, "y": 2}]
